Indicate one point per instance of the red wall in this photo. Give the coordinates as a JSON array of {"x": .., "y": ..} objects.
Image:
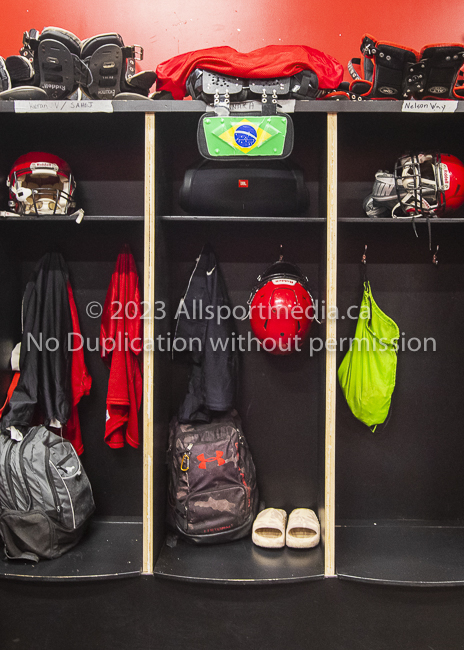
[{"x": 168, "y": 27}]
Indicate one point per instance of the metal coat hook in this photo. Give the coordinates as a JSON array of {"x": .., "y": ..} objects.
[
  {"x": 364, "y": 257},
  {"x": 435, "y": 257},
  {"x": 364, "y": 264}
]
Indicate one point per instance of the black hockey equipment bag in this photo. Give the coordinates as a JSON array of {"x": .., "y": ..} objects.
[
  {"x": 212, "y": 493},
  {"x": 248, "y": 188},
  {"x": 45, "y": 496}
]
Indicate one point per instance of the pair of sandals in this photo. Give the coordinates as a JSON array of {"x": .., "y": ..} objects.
[{"x": 272, "y": 530}]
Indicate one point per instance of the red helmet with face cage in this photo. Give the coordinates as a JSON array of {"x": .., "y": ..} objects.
[
  {"x": 429, "y": 184},
  {"x": 41, "y": 183},
  {"x": 281, "y": 308}
]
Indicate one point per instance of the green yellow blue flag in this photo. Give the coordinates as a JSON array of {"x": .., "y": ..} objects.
[{"x": 249, "y": 136}]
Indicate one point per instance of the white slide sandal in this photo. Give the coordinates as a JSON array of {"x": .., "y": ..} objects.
[
  {"x": 303, "y": 529},
  {"x": 269, "y": 528}
]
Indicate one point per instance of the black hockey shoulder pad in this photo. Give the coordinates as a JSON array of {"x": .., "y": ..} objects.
[
  {"x": 142, "y": 81},
  {"x": 276, "y": 87},
  {"x": 103, "y": 54},
  {"x": 112, "y": 65},
  {"x": 338, "y": 95},
  {"x": 20, "y": 70},
  {"x": 33, "y": 37},
  {"x": 129, "y": 97},
  {"x": 434, "y": 75},
  {"x": 360, "y": 87},
  {"x": 70, "y": 40},
  {"x": 55, "y": 57},
  {"x": 206, "y": 85},
  {"x": 15, "y": 73},
  {"x": 385, "y": 66},
  {"x": 60, "y": 70},
  {"x": 91, "y": 45},
  {"x": 24, "y": 92},
  {"x": 5, "y": 81},
  {"x": 305, "y": 85}
]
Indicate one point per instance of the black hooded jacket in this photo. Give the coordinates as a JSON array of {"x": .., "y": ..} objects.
[
  {"x": 45, "y": 360},
  {"x": 207, "y": 333}
]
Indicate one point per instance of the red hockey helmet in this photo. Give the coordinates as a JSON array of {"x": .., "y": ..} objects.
[
  {"x": 41, "y": 183},
  {"x": 429, "y": 184},
  {"x": 281, "y": 308}
]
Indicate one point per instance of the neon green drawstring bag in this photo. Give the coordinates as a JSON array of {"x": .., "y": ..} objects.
[{"x": 367, "y": 373}]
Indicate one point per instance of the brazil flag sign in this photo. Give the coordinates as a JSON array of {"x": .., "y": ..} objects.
[{"x": 245, "y": 136}]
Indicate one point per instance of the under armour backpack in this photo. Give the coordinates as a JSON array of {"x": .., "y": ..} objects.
[
  {"x": 45, "y": 496},
  {"x": 212, "y": 495}
]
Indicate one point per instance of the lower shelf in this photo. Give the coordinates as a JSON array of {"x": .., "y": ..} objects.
[
  {"x": 224, "y": 218},
  {"x": 65, "y": 217},
  {"x": 401, "y": 553},
  {"x": 239, "y": 562},
  {"x": 110, "y": 549}
]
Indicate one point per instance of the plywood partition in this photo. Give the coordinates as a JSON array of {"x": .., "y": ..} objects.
[
  {"x": 331, "y": 370},
  {"x": 148, "y": 334}
]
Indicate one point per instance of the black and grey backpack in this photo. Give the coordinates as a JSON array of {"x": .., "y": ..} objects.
[
  {"x": 45, "y": 495},
  {"x": 212, "y": 494}
]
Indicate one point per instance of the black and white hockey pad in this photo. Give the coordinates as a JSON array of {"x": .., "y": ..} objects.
[
  {"x": 20, "y": 70},
  {"x": 5, "y": 81}
]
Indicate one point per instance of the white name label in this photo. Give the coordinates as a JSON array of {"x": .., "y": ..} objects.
[
  {"x": 289, "y": 282},
  {"x": 430, "y": 106},
  {"x": 66, "y": 106},
  {"x": 284, "y": 106}
]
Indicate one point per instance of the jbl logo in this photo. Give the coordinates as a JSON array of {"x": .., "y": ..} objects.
[
  {"x": 242, "y": 182},
  {"x": 218, "y": 457}
]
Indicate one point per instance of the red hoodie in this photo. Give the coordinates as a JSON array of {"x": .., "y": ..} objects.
[
  {"x": 120, "y": 347},
  {"x": 81, "y": 381}
]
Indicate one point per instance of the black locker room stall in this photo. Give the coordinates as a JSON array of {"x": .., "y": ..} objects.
[{"x": 397, "y": 504}]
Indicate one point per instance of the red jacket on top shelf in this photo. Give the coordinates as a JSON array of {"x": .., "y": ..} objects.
[{"x": 265, "y": 63}]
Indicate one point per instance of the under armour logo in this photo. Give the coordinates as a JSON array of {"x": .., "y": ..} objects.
[{"x": 218, "y": 457}]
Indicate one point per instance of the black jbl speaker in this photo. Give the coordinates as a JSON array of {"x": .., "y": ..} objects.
[{"x": 248, "y": 188}]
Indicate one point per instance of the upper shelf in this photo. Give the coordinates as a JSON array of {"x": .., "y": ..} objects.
[{"x": 171, "y": 106}]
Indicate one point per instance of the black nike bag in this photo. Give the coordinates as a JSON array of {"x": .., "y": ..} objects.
[
  {"x": 45, "y": 496},
  {"x": 212, "y": 493},
  {"x": 247, "y": 188}
]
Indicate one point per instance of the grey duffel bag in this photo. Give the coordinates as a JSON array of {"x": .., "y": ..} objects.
[{"x": 45, "y": 496}]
